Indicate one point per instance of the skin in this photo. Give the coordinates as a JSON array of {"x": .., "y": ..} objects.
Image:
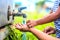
[
  {"x": 40, "y": 35},
  {"x": 49, "y": 18},
  {"x": 49, "y": 30}
]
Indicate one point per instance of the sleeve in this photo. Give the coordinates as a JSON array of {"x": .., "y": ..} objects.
[
  {"x": 59, "y": 2},
  {"x": 55, "y": 6}
]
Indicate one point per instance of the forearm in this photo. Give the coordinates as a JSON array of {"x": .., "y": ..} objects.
[
  {"x": 49, "y": 18},
  {"x": 42, "y": 35}
]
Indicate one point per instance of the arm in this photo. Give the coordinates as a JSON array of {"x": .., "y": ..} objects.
[
  {"x": 49, "y": 18},
  {"x": 36, "y": 32},
  {"x": 42, "y": 35}
]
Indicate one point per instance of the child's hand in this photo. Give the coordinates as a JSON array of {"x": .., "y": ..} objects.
[{"x": 22, "y": 27}]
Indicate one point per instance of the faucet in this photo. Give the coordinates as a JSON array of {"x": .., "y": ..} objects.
[{"x": 24, "y": 16}]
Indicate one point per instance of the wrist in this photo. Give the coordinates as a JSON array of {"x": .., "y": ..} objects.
[
  {"x": 30, "y": 29},
  {"x": 36, "y": 22}
]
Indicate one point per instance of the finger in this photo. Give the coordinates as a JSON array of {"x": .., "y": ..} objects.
[
  {"x": 51, "y": 32},
  {"x": 28, "y": 24},
  {"x": 44, "y": 31},
  {"x": 28, "y": 21},
  {"x": 48, "y": 28},
  {"x": 22, "y": 26},
  {"x": 19, "y": 26}
]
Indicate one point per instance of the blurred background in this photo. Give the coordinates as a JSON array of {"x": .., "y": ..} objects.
[{"x": 33, "y": 9}]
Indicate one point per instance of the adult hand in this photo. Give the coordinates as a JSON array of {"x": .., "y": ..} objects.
[
  {"x": 49, "y": 30},
  {"x": 31, "y": 23}
]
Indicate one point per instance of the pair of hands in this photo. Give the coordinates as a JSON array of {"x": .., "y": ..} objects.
[
  {"x": 26, "y": 27},
  {"x": 30, "y": 24}
]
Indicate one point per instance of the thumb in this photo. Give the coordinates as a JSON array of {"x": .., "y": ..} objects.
[
  {"x": 28, "y": 21},
  {"x": 51, "y": 32}
]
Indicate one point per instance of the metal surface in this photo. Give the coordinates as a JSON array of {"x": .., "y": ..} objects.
[
  {"x": 3, "y": 12},
  {"x": 4, "y": 17}
]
